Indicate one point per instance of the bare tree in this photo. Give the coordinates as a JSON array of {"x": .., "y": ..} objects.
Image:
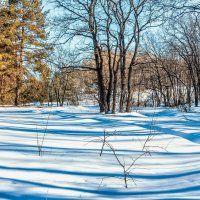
[
  {"x": 111, "y": 31},
  {"x": 185, "y": 39}
]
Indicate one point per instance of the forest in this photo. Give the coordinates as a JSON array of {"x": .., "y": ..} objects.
[{"x": 120, "y": 54}]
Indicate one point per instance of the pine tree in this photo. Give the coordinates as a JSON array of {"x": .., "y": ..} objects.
[
  {"x": 31, "y": 42},
  {"x": 8, "y": 28},
  {"x": 24, "y": 46}
]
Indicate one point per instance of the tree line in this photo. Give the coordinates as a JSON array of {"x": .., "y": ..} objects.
[{"x": 121, "y": 53}]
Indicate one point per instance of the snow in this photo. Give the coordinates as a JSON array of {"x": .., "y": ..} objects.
[{"x": 71, "y": 168}]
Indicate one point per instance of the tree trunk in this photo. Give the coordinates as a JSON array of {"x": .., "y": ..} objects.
[
  {"x": 102, "y": 92},
  {"x": 129, "y": 99},
  {"x": 114, "y": 95},
  {"x": 123, "y": 89}
]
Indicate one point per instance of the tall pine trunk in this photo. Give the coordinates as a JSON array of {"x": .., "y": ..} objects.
[{"x": 19, "y": 67}]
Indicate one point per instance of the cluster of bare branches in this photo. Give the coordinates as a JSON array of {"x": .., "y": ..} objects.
[{"x": 128, "y": 167}]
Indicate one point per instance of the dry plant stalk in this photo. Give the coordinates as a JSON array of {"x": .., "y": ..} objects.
[
  {"x": 128, "y": 168},
  {"x": 40, "y": 143}
]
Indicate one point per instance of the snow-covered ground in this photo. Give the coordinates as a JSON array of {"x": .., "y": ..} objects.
[{"x": 71, "y": 168}]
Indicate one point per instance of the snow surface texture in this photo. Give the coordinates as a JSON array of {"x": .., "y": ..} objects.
[{"x": 70, "y": 166}]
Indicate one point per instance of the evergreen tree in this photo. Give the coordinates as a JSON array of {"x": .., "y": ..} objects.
[
  {"x": 8, "y": 34},
  {"x": 24, "y": 46},
  {"x": 31, "y": 42}
]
